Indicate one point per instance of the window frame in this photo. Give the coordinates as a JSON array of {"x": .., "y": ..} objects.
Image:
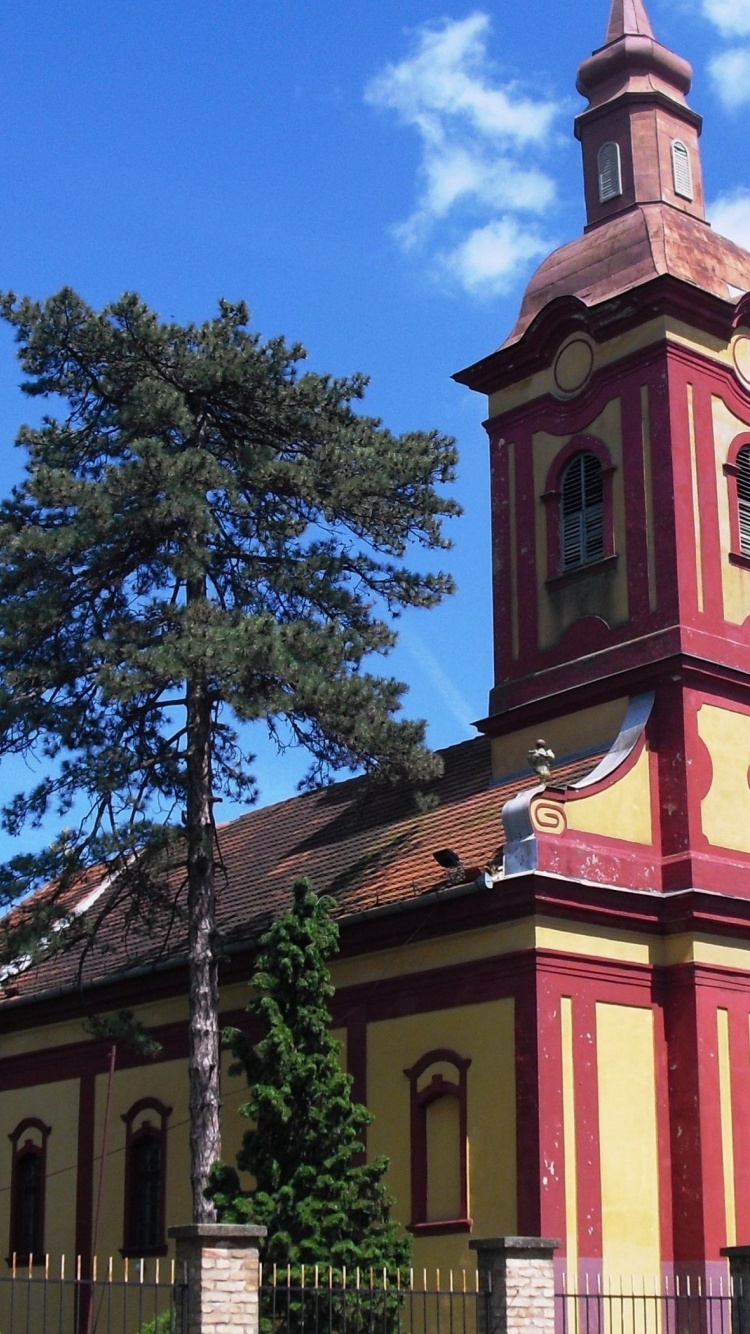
[
  {"x": 678, "y": 146},
  {"x": 420, "y": 1099},
  {"x": 557, "y": 574},
  {"x": 22, "y": 1151},
  {"x": 732, "y": 473},
  {"x": 617, "y": 191},
  {"x": 132, "y": 1246}
]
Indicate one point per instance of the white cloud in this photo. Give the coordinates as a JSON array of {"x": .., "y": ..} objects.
[
  {"x": 730, "y": 216},
  {"x": 730, "y": 73},
  {"x": 488, "y": 262},
  {"x": 447, "y": 77},
  {"x": 730, "y": 69},
  {"x": 478, "y": 138},
  {"x": 731, "y": 17}
]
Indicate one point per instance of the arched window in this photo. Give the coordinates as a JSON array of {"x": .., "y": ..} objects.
[
  {"x": 579, "y": 501},
  {"x": 737, "y": 472},
  {"x": 581, "y": 512},
  {"x": 743, "y": 498},
  {"x": 682, "y": 174},
  {"x": 439, "y": 1143},
  {"x": 609, "y": 172},
  {"x": 145, "y": 1177},
  {"x": 28, "y": 1189}
]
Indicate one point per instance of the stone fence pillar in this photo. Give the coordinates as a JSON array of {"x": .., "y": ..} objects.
[
  {"x": 221, "y": 1261},
  {"x": 739, "y": 1273},
  {"x": 518, "y": 1274}
]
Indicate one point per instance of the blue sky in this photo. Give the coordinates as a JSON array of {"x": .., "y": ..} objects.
[{"x": 377, "y": 180}]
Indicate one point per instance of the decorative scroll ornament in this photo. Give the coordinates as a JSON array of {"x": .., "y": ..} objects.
[{"x": 548, "y": 817}]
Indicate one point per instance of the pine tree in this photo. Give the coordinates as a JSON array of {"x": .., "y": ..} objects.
[
  {"x": 205, "y": 537},
  {"x": 320, "y": 1203}
]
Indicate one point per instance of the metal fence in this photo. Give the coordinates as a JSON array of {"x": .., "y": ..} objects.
[
  {"x": 312, "y": 1299},
  {"x": 139, "y": 1297},
  {"x": 672, "y": 1306}
]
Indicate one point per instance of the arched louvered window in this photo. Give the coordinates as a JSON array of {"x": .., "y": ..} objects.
[
  {"x": 581, "y": 512},
  {"x": 681, "y": 170},
  {"x": 743, "y": 498},
  {"x": 737, "y": 473},
  {"x": 609, "y": 172}
]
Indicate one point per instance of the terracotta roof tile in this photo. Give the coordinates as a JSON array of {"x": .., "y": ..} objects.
[{"x": 366, "y": 848}]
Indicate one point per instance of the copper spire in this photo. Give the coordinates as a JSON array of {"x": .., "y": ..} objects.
[
  {"x": 628, "y": 19},
  {"x": 638, "y": 134}
]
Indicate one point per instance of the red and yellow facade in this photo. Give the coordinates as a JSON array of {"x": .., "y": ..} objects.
[{"x": 560, "y": 1045}]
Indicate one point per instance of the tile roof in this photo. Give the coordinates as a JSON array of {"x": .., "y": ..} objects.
[{"x": 366, "y": 848}]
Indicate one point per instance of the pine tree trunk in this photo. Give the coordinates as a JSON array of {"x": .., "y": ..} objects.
[{"x": 205, "y": 1130}]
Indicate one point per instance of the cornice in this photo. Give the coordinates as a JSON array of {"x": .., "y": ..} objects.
[{"x": 664, "y": 295}]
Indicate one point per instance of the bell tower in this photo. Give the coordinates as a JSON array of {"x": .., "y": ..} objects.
[
  {"x": 619, "y": 432},
  {"x": 619, "y": 427}
]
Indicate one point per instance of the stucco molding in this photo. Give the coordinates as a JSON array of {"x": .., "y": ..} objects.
[{"x": 522, "y": 846}]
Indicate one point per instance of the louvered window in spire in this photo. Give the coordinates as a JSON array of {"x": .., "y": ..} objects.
[
  {"x": 609, "y": 171},
  {"x": 681, "y": 170},
  {"x": 582, "y": 512},
  {"x": 743, "y": 498}
]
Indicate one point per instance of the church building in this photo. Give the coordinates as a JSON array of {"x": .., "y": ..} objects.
[{"x": 553, "y": 1030}]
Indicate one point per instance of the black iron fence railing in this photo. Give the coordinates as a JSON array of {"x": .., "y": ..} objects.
[
  {"x": 311, "y": 1299},
  {"x": 136, "y": 1297},
  {"x": 672, "y": 1306}
]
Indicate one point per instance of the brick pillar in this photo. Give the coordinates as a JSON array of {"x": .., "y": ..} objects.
[
  {"x": 739, "y": 1274},
  {"x": 221, "y": 1262},
  {"x": 518, "y": 1275}
]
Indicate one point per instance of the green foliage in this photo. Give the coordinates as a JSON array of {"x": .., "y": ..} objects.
[
  {"x": 123, "y": 1030},
  {"x": 164, "y": 1323},
  {"x": 319, "y": 1201},
  {"x": 196, "y": 512}
]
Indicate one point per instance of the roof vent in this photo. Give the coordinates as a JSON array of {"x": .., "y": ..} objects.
[
  {"x": 609, "y": 171},
  {"x": 681, "y": 170}
]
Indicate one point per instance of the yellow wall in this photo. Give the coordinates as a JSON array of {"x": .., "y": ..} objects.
[
  {"x": 696, "y": 506},
  {"x": 648, "y": 492},
  {"x": 56, "y": 1105},
  {"x": 568, "y": 734},
  {"x": 727, "y": 1134},
  {"x": 628, "y": 1141},
  {"x": 569, "y": 1138},
  {"x": 443, "y": 1165},
  {"x": 622, "y": 810},
  {"x": 725, "y": 810},
  {"x": 484, "y": 1033},
  {"x": 167, "y": 1081}
]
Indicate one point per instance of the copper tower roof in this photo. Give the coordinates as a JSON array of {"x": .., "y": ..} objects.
[
  {"x": 628, "y": 16},
  {"x": 653, "y": 225}
]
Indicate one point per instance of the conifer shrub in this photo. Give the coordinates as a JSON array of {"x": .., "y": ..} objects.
[{"x": 320, "y": 1201}]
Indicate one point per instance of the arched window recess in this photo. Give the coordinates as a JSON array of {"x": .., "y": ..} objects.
[
  {"x": 579, "y": 504},
  {"x": 439, "y": 1143},
  {"x": 145, "y": 1178},
  {"x": 28, "y": 1189}
]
